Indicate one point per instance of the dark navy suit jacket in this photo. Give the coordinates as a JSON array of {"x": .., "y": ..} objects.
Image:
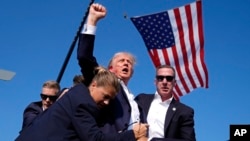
[
  {"x": 179, "y": 121},
  {"x": 71, "y": 118},
  {"x": 31, "y": 112},
  {"x": 116, "y": 116}
]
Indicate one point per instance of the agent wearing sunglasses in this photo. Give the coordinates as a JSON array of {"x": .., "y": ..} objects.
[
  {"x": 168, "y": 119},
  {"x": 48, "y": 97}
]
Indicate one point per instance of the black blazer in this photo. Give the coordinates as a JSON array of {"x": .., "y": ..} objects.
[
  {"x": 116, "y": 116},
  {"x": 179, "y": 121},
  {"x": 71, "y": 118},
  {"x": 31, "y": 112}
]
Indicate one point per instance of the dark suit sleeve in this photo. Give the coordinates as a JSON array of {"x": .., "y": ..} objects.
[
  {"x": 87, "y": 128},
  {"x": 30, "y": 113},
  {"x": 85, "y": 57},
  {"x": 186, "y": 127},
  {"x": 142, "y": 108},
  {"x": 144, "y": 101}
]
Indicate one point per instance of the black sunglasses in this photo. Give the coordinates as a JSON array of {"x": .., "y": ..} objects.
[
  {"x": 161, "y": 78},
  {"x": 51, "y": 98}
]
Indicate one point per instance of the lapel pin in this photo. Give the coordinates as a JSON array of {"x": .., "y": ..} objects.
[{"x": 174, "y": 109}]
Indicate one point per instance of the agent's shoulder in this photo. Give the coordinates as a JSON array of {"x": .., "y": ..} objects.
[
  {"x": 184, "y": 106},
  {"x": 144, "y": 96}
]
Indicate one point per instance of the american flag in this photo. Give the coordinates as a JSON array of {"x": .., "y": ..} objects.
[{"x": 175, "y": 37}]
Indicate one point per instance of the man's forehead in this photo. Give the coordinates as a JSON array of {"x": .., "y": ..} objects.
[
  {"x": 49, "y": 90},
  {"x": 165, "y": 70},
  {"x": 123, "y": 56}
]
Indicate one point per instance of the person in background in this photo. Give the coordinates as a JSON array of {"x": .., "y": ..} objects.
[
  {"x": 78, "y": 79},
  {"x": 168, "y": 119},
  {"x": 73, "y": 117},
  {"x": 48, "y": 96},
  {"x": 122, "y": 111}
]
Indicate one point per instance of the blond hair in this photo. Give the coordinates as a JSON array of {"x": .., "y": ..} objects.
[{"x": 103, "y": 77}]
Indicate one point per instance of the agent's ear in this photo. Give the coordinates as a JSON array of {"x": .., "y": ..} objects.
[
  {"x": 174, "y": 82},
  {"x": 110, "y": 68},
  {"x": 155, "y": 82},
  {"x": 92, "y": 85}
]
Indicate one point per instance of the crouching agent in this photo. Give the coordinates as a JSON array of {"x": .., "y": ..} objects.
[{"x": 73, "y": 117}]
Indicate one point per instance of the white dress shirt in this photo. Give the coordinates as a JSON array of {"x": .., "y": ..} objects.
[
  {"x": 89, "y": 29},
  {"x": 135, "y": 114},
  {"x": 156, "y": 116}
]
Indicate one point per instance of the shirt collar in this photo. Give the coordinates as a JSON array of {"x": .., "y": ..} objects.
[{"x": 158, "y": 99}]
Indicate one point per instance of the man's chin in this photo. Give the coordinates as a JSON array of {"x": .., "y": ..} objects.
[
  {"x": 164, "y": 92},
  {"x": 125, "y": 76}
]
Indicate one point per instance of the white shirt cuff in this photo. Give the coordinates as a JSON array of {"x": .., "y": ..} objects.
[{"x": 89, "y": 29}]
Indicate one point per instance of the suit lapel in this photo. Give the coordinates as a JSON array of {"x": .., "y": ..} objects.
[
  {"x": 123, "y": 94},
  {"x": 170, "y": 113},
  {"x": 148, "y": 100}
]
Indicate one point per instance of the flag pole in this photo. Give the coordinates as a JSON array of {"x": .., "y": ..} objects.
[{"x": 73, "y": 44}]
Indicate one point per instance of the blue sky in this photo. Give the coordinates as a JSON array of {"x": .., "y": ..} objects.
[{"x": 35, "y": 36}]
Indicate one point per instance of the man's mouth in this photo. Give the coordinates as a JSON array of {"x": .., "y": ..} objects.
[
  {"x": 164, "y": 88},
  {"x": 125, "y": 70}
]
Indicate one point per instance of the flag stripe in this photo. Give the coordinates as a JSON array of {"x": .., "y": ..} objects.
[
  {"x": 166, "y": 58},
  {"x": 177, "y": 92},
  {"x": 200, "y": 23},
  {"x": 188, "y": 66},
  {"x": 182, "y": 51},
  {"x": 193, "y": 66},
  {"x": 195, "y": 63}
]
